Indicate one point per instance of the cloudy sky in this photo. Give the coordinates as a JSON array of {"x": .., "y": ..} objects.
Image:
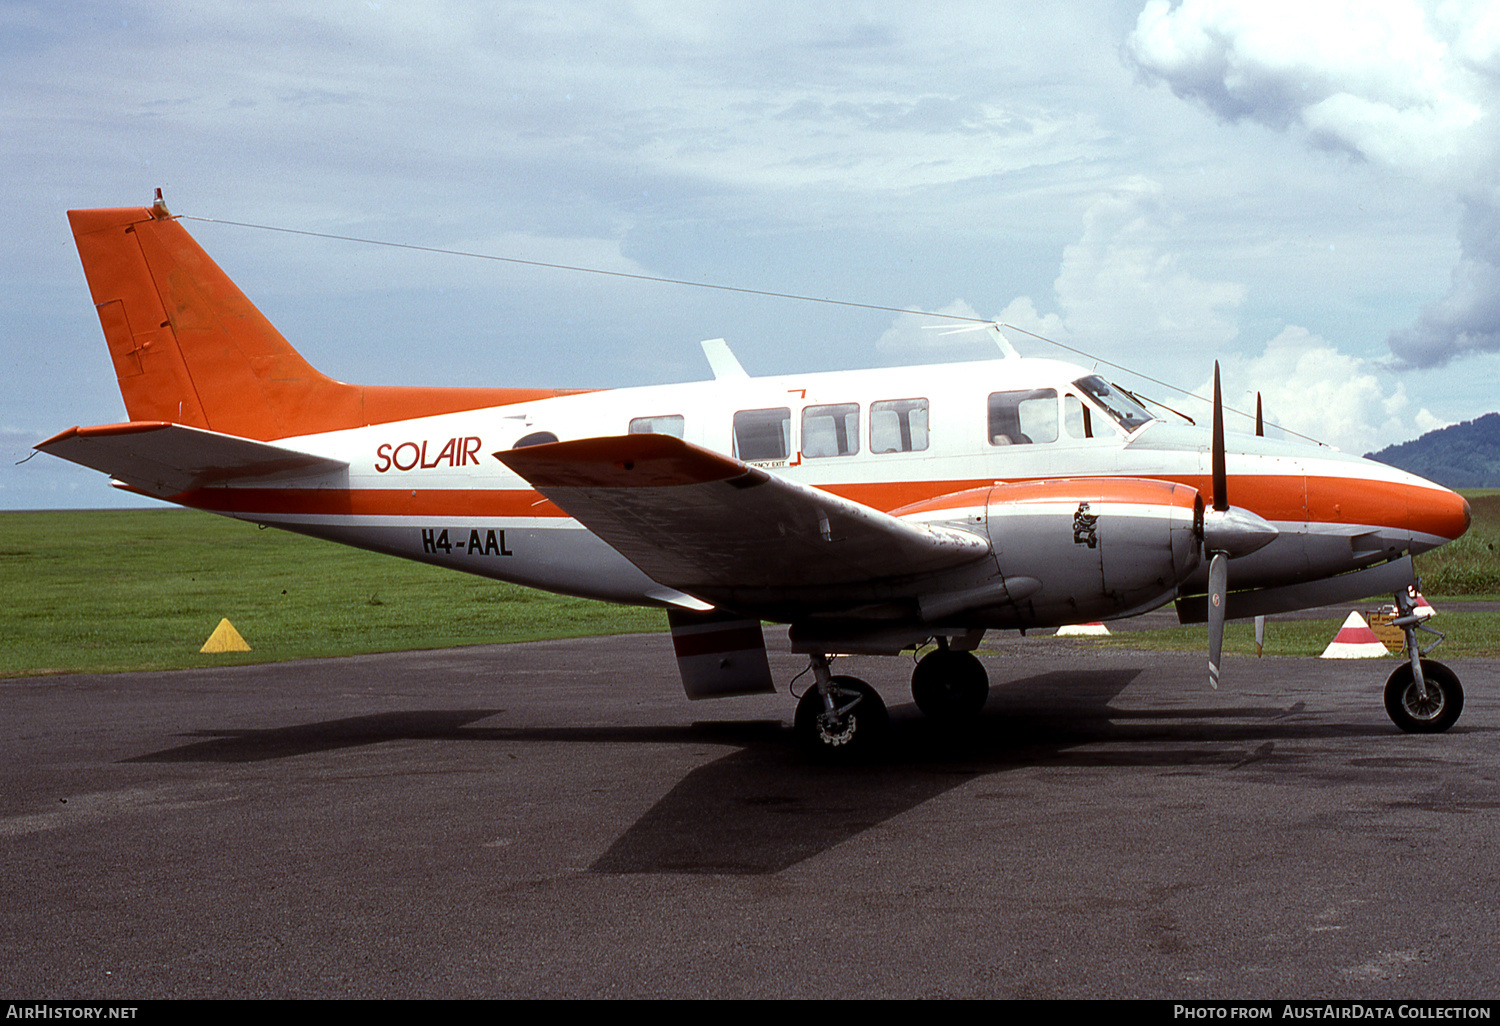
[{"x": 1307, "y": 192}]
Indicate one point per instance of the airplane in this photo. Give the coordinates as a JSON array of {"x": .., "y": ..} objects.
[{"x": 873, "y": 511}]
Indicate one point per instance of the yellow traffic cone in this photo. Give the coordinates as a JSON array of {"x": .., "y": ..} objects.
[{"x": 225, "y": 639}]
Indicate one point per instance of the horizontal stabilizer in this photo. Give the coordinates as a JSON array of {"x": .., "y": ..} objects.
[
  {"x": 164, "y": 460},
  {"x": 696, "y": 520}
]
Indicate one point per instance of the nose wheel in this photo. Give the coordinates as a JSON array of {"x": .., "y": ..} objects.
[{"x": 1428, "y": 706}]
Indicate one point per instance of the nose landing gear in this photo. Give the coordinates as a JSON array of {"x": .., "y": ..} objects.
[{"x": 1422, "y": 696}]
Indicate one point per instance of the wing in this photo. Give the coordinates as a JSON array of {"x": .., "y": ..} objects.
[
  {"x": 701, "y": 522},
  {"x": 164, "y": 459}
]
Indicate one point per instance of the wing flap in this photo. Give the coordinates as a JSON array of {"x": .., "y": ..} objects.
[
  {"x": 694, "y": 519},
  {"x": 165, "y": 459}
]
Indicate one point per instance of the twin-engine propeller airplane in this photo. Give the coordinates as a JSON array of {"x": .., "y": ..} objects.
[{"x": 873, "y": 511}]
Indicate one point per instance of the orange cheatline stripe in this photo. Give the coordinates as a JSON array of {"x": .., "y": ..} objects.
[
  {"x": 1347, "y": 500},
  {"x": 1329, "y": 500},
  {"x": 372, "y": 502}
]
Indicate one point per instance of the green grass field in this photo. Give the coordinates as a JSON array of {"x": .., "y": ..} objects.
[
  {"x": 94, "y": 591},
  {"x": 100, "y": 591}
]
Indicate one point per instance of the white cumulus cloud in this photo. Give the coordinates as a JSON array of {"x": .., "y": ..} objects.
[
  {"x": 1121, "y": 291},
  {"x": 1375, "y": 77},
  {"x": 1309, "y": 387},
  {"x": 1402, "y": 84}
]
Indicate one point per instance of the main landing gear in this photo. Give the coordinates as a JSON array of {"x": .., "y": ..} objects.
[
  {"x": 840, "y": 719},
  {"x": 1422, "y": 696},
  {"x": 950, "y": 685},
  {"x": 844, "y": 719}
]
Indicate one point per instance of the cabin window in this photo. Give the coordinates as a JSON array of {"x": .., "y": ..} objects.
[
  {"x": 763, "y": 434},
  {"x": 830, "y": 430},
  {"x": 1077, "y": 421},
  {"x": 667, "y": 425},
  {"x": 898, "y": 425},
  {"x": 1023, "y": 418}
]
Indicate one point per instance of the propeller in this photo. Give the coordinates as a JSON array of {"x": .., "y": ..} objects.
[
  {"x": 1228, "y": 533},
  {"x": 1260, "y": 621},
  {"x": 1218, "y": 589},
  {"x": 1218, "y": 566}
]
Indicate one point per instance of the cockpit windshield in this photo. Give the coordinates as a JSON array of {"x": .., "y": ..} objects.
[{"x": 1125, "y": 411}]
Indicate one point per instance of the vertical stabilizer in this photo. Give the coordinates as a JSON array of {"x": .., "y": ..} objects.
[
  {"x": 142, "y": 342},
  {"x": 190, "y": 348}
]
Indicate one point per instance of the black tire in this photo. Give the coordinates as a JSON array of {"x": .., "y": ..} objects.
[
  {"x": 1440, "y": 710},
  {"x": 948, "y": 685},
  {"x": 859, "y": 734}
]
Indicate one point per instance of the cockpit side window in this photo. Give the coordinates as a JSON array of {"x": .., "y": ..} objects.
[
  {"x": 1023, "y": 418},
  {"x": 1077, "y": 421},
  {"x": 1124, "y": 410}
]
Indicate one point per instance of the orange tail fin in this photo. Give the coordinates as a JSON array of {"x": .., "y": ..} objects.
[{"x": 189, "y": 348}]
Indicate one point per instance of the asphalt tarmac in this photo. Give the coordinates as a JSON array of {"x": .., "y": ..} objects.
[{"x": 556, "y": 820}]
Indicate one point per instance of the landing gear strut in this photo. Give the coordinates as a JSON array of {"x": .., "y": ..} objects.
[
  {"x": 841, "y": 719},
  {"x": 1422, "y": 696},
  {"x": 950, "y": 685}
]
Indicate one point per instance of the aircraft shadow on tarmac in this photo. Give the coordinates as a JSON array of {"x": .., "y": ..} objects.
[{"x": 763, "y": 808}]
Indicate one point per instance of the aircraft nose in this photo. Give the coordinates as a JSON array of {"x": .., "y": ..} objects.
[{"x": 1442, "y": 513}]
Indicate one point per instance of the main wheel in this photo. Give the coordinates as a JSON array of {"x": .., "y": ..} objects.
[
  {"x": 949, "y": 685},
  {"x": 1418, "y": 715},
  {"x": 856, "y": 728}
]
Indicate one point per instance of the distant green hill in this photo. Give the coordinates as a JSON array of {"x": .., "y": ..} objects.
[{"x": 1464, "y": 455}]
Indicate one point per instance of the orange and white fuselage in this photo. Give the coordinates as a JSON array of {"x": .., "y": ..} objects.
[{"x": 907, "y": 502}]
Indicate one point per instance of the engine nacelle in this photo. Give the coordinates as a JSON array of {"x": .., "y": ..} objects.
[{"x": 1082, "y": 549}]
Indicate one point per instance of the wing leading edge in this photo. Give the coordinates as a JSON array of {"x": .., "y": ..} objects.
[{"x": 705, "y": 524}]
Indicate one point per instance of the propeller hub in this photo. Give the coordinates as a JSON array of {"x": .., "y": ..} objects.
[{"x": 1236, "y": 532}]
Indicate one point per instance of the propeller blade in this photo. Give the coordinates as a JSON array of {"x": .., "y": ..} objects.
[
  {"x": 1218, "y": 585},
  {"x": 1260, "y": 635},
  {"x": 1221, "y": 483},
  {"x": 1260, "y": 420}
]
